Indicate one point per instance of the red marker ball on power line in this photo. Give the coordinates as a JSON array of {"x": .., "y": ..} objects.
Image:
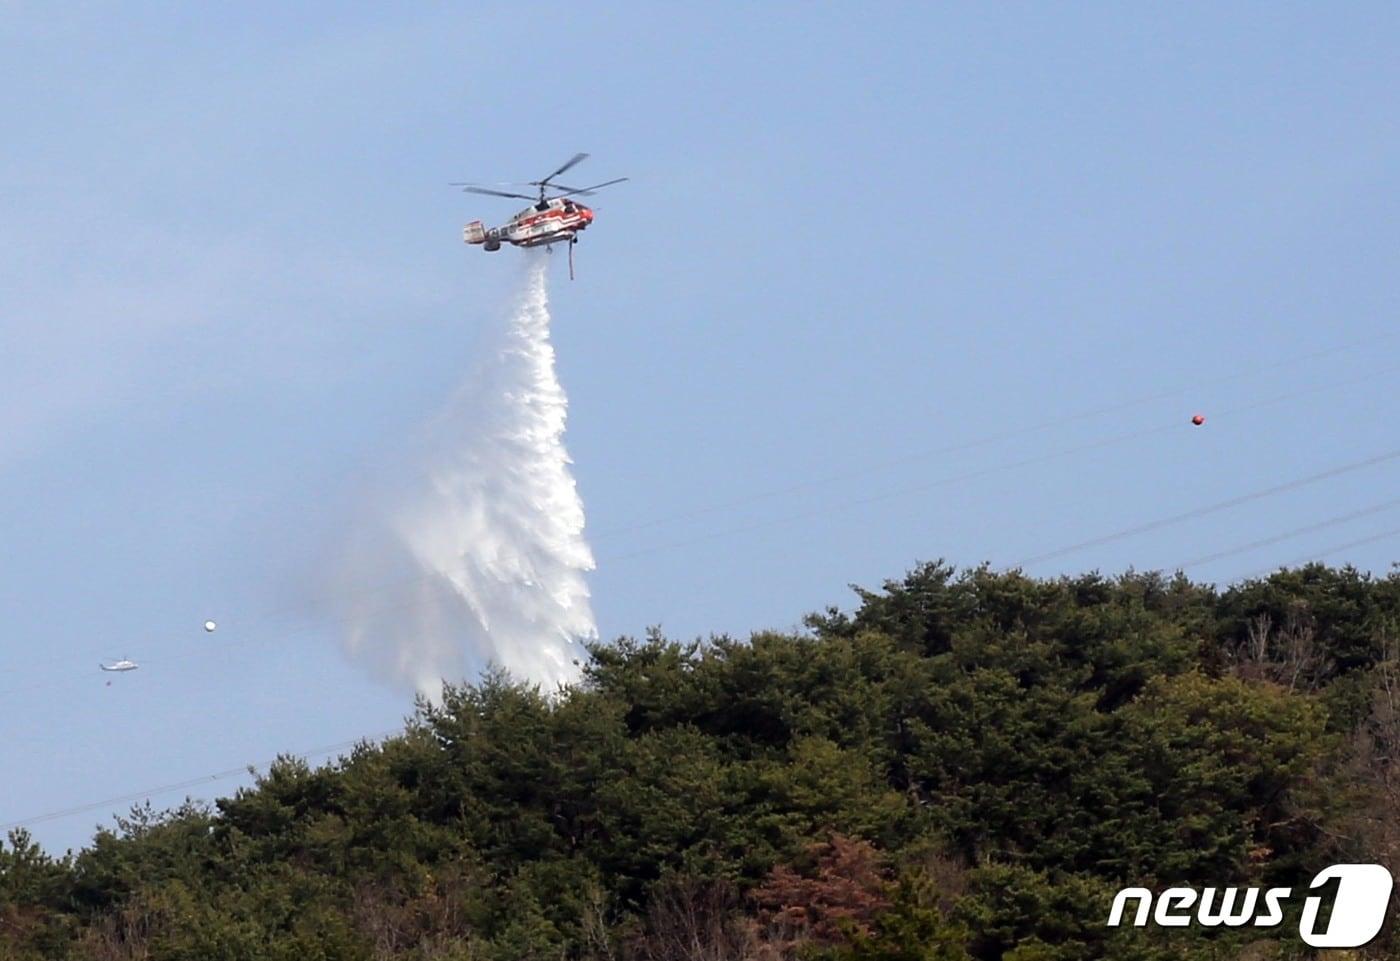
[{"x": 1198, "y": 419}]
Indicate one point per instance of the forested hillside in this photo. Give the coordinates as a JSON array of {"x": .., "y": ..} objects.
[{"x": 967, "y": 765}]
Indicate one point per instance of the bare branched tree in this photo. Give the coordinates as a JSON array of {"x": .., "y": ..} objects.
[
  {"x": 432, "y": 922},
  {"x": 1373, "y": 826},
  {"x": 122, "y": 936},
  {"x": 690, "y": 920},
  {"x": 1288, "y": 657},
  {"x": 1298, "y": 649},
  {"x": 598, "y": 944}
]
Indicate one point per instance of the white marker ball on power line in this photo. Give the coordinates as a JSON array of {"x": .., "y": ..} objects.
[{"x": 209, "y": 626}]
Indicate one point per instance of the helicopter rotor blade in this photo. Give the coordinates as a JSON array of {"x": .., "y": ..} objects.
[
  {"x": 545, "y": 181},
  {"x": 468, "y": 188},
  {"x": 585, "y": 191}
]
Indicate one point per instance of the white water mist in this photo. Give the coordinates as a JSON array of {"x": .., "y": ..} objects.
[{"x": 483, "y": 559}]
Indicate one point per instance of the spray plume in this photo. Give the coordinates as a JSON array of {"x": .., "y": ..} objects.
[{"x": 486, "y": 556}]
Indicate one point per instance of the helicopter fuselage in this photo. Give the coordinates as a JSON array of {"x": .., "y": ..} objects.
[{"x": 554, "y": 221}]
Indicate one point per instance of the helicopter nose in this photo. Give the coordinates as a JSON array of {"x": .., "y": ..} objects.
[{"x": 587, "y": 215}]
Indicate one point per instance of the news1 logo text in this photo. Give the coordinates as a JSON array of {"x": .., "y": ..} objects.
[{"x": 1358, "y": 907}]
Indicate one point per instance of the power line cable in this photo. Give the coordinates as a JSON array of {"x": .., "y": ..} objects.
[
  {"x": 144, "y": 794},
  {"x": 1289, "y": 535},
  {"x": 1327, "y": 552},
  {"x": 1211, "y": 508}
]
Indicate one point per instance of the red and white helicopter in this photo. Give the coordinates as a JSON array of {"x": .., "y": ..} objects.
[{"x": 549, "y": 220}]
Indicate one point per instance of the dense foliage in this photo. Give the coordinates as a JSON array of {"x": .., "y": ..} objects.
[{"x": 967, "y": 766}]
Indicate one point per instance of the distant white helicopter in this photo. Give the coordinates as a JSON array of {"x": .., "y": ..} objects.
[{"x": 118, "y": 666}]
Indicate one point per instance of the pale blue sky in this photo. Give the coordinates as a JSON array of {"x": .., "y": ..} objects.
[{"x": 233, "y": 282}]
